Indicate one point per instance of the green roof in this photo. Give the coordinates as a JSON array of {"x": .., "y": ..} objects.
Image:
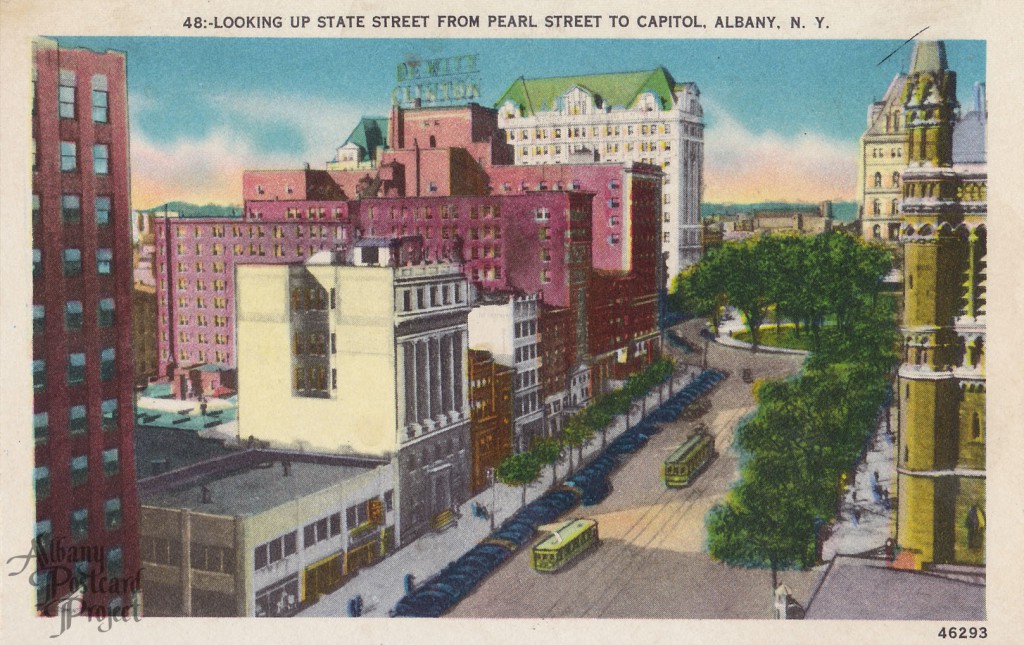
[
  {"x": 564, "y": 533},
  {"x": 687, "y": 446},
  {"x": 619, "y": 89},
  {"x": 370, "y": 133}
]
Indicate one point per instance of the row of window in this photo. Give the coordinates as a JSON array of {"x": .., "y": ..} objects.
[
  {"x": 216, "y": 267},
  {"x": 73, "y": 262},
  {"x": 73, "y": 317},
  {"x": 71, "y": 209},
  {"x": 201, "y": 337},
  {"x": 201, "y": 321},
  {"x": 434, "y": 296},
  {"x": 526, "y": 352},
  {"x": 525, "y": 328},
  {"x": 67, "y": 96},
  {"x": 69, "y": 157},
  {"x": 200, "y": 284},
  {"x": 184, "y": 356},
  {"x": 77, "y": 420},
  {"x": 445, "y": 211},
  {"x": 200, "y": 302},
  {"x": 79, "y": 475},
  {"x": 575, "y": 132},
  {"x": 76, "y": 368},
  {"x": 895, "y": 179},
  {"x": 313, "y": 344}
]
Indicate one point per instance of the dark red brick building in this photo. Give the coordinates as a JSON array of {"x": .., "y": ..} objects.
[{"x": 86, "y": 507}]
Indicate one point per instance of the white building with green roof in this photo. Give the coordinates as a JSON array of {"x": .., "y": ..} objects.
[{"x": 631, "y": 116}]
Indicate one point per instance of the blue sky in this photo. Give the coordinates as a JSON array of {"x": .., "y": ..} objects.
[{"x": 203, "y": 109}]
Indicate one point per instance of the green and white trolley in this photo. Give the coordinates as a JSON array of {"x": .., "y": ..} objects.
[
  {"x": 563, "y": 545},
  {"x": 683, "y": 465}
]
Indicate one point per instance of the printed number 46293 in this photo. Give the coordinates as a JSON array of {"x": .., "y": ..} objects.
[{"x": 963, "y": 632}]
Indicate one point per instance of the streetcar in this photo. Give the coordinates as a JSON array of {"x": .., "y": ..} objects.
[
  {"x": 563, "y": 545},
  {"x": 683, "y": 465}
]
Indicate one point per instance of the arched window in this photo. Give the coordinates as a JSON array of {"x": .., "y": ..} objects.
[
  {"x": 876, "y": 230},
  {"x": 894, "y": 207},
  {"x": 975, "y": 426},
  {"x": 878, "y": 180},
  {"x": 895, "y": 178},
  {"x": 975, "y": 523},
  {"x": 876, "y": 207}
]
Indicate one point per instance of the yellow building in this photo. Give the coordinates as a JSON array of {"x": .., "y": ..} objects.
[
  {"x": 261, "y": 532},
  {"x": 362, "y": 358},
  {"x": 883, "y": 148},
  {"x": 941, "y": 456}
]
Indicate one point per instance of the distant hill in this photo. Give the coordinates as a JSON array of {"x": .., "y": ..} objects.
[
  {"x": 186, "y": 209},
  {"x": 841, "y": 211}
]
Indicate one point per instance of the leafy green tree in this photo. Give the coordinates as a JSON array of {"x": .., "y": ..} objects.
[
  {"x": 701, "y": 288},
  {"x": 548, "y": 451},
  {"x": 518, "y": 469},
  {"x": 747, "y": 283},
  {"x": 575, "y": 434}
]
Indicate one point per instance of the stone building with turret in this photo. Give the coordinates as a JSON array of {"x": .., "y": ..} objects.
[{"x": 942, "y": 384}]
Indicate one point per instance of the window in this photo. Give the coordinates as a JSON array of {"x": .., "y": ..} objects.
[
  {"x": 106, "y": 312},
  {"x": 66, "y": 94},
  {"x": 275, "y": 550},
  {"x": 895, "y": 179},
  {"x": 38, "y": 319},
  {"x": 37, "y": 263},
  {"x": 76, "y": 369},
  {"x": 79, "y": 524},
  {"x": 107, "y": 364},
  {"x": 41, "y": 476},
  {"x": 71, "y": 209},
  {"x": 72, "y": 262},
  {"x": 111, "y": 462},
  {"x": 77, "y": 420},
  {"x": 38, "y": 374},
  {"x": 112, "y": 513},
  {"x": 68, "y": 156},
  {"x": 103, "y": 261},
  {"x": 99, "y": 98},
  {"x": 79, "y": 470},
  {"x": 103, "y": 209},
  {"x": 101, "y": 159},
  {"x": 44, "y": 533},
  {"x": 108, "y": 410},
  {"x": 41, "y": 426},
  {"x": 73, "y": 315},
  {"x": 878, "y": 180},
  {"x": 115, "y": 562}
]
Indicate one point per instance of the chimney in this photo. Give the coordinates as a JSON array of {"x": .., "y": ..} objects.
[{"x": 286, "y": 468}]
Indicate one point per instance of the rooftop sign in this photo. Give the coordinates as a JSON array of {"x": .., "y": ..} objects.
[{"x": 437, "y": 81}]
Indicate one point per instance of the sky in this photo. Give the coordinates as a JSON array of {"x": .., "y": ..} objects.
[{"x": 783, "y": 117}]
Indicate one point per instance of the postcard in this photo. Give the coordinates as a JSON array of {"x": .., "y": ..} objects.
[{"x": 613, "y": 323}]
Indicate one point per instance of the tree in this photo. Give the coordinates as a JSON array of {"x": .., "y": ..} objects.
[
  {"x": 548, "y": 451},
  {"x": 575, "y": 434},
  {"x": 746, "y": 271},
  {"x": 518, "y": 469},
  {"x": 701, "y": 288}
]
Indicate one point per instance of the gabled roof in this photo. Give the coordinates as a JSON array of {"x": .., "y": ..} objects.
[
  {"x": 617, "y": 89},
  {"x": 370, "y": 133}
]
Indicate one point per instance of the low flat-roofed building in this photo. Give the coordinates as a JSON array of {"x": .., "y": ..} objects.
[{"x": 259, "y": 532}]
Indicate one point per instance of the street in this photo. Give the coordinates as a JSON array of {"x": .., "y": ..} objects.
[{"x": 651, "y": 561}]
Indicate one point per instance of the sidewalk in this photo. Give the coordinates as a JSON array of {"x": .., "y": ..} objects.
[
  {"x": 382, "y": 585},
  {"x": 865, "y": 520},
  {"x": 727, "y": 327}
]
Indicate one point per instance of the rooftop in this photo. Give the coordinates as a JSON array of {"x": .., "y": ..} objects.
[
  {"x": 250, "y": 482},
  {"x": 616, "y": 89}
]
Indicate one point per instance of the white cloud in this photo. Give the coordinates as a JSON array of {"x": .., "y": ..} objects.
[
  {"x": 743, "y": 166},
  {"x": 209, "y": 168}
]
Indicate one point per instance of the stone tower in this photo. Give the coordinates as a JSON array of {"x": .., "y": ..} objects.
[{"x": 941, "y": 456}]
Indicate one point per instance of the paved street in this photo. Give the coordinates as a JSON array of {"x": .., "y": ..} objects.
[
  {"x": 651, "y": 561},
  {"x": 382, "y": 585}
]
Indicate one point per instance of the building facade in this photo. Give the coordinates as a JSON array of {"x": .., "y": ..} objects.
[
  {"x": 490, "y": 417},
  {"x": 82, "y": 346},
  {"x": 314, "y": 338},
  {"x": 506, "y": 327},
  {"x": 629, "y": 117},
  {"x": 212, "y": 548},
  {"x": 942, "y": 384},
  {"x": 883, "y": 156}
]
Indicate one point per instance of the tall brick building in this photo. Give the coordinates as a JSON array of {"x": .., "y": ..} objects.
[{"x": 86, "y": 508}]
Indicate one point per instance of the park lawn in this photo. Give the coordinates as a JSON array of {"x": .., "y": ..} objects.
[{"x": 786, "y": 337}]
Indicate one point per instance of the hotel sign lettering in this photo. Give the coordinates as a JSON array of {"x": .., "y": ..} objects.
[{"x": 432, "y": 81}]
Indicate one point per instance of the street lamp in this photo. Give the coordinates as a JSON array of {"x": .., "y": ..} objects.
[{"x": 491, "y": 479}]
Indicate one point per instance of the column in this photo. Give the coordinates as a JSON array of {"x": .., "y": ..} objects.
[
  {"x": 424, "y": 390},
  {"x": 437, "y": 384},
  {"x": 446, "y": 374},
  {"x": 459, "y": 371},
  {"x": 408, "y": 378},
  {"x": 414, "y": 383},
  {"x": 453, "y": 347}
]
